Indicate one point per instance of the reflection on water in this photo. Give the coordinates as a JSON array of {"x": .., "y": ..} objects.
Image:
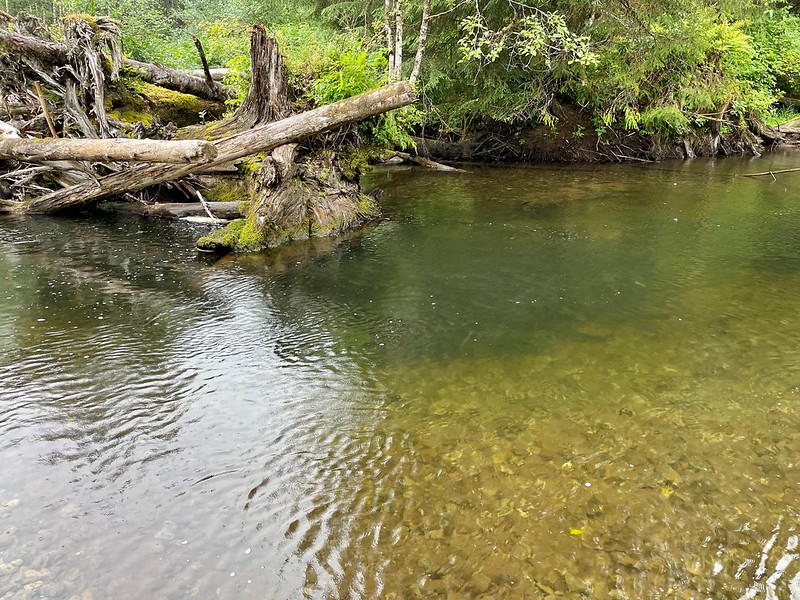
[{"x": 523, "y": 383}]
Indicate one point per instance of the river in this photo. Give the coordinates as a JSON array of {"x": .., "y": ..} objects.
[{"x": 522, "y": 382}]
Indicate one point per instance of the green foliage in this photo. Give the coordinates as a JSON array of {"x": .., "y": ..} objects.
[
  {"x": 777, "y": 40},
  {"x": 669, "y": 120},
  {"x": 351, "y": 74},
  {"x": 356, "y": 72},
  {"x": 532, "y": 40},
  {"x": 660, "y": 67},
  {"x": 778, "y": 115}
]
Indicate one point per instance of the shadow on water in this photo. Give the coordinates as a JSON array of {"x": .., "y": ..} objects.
[{"x": 523, "y": 382}]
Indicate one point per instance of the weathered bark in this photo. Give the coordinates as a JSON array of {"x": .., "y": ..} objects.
[
  {"x": 206, "y": 71},
  {"x": 178, "y": 81},
  {"x": 268, "y": 97},
  {"x": 53, "y": 54},
  {"x": 423, "y": 38},
  {"x": 35, "y": 150},
  {"x": 261, "y": 139},
  {"x": 44, "y": 51},
  {"x": 87, "y": 45},
  {"x": 216, "y": 74}
]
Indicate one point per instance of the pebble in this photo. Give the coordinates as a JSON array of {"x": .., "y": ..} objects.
[
  {"x": 70, "y": 510},
  {"x": 10, "y": 567},
  {"x": 480, "y": 582},
  {"x": 167, "y": 532},
  {"x": 34, "y": 574}
]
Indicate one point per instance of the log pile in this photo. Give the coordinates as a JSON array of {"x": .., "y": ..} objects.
[{"x": 53, "y": 89}]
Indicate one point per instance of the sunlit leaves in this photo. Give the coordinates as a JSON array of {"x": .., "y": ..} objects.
[{"x": 533, "y": 39}]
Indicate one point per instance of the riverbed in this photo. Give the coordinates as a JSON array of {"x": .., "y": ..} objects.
[{"x": 529, "y": 382}]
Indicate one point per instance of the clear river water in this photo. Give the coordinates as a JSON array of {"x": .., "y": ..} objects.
[{"x": 541, "y": 382}]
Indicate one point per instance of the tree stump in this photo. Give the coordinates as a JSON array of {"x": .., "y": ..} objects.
[{"x": 295, "y": 192}]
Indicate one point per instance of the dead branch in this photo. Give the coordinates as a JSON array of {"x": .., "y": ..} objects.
[
  {"x": 45, "y": 110},
  {"x": 117, "y": 149},
  {"x": 772, "y": 173},
  {"x": 204, "y": 61}
]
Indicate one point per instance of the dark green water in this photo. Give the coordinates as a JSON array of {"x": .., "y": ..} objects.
[{"x": 524, "y": 383}]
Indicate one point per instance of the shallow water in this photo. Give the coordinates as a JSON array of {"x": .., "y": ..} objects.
[{"x": 523, "y": 383}]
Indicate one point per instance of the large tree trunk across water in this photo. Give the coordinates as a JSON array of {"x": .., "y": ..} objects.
[
  {"x": 296, "y": 191},
  {"x": 261, "y": 139}
]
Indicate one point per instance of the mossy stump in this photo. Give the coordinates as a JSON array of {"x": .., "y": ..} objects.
[{"x": 294, "y": 199}]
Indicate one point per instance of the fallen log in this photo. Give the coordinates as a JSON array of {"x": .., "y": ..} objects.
[
  {"x": 117, "y": 149},
  {"x": 44, "y": 51},
  {"x": 217, "y": 74},
  {"x": 427, "y": 163},
  {"x": 176, "y": 210},
  {"x": 261, "y": 139},
  {"x": 178, "y": 81},
  {"x": 55, "y": 54}
]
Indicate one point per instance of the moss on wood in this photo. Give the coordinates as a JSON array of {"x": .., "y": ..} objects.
[
  {"x": 315, "y": 198},
  {"x": 135, "y": 100}
]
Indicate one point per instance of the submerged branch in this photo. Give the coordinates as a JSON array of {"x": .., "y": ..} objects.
[{"x": 773, "y": 173}]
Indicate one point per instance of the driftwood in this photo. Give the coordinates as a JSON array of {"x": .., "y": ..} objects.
[
  {"x": 261, "y": 139},
  {"x": 119, "y": 149},
  {"x": 773, "y": 173},
  {"x": 177, "y": 210},
  {"x": 294, "y": 191},
  {"x": 427, "y": 163}
]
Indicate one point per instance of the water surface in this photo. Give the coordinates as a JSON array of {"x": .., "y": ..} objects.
[{"x": 523, "y": 382}]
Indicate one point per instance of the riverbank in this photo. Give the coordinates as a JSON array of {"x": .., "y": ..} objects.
[{"x": 575, "y": 138}]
